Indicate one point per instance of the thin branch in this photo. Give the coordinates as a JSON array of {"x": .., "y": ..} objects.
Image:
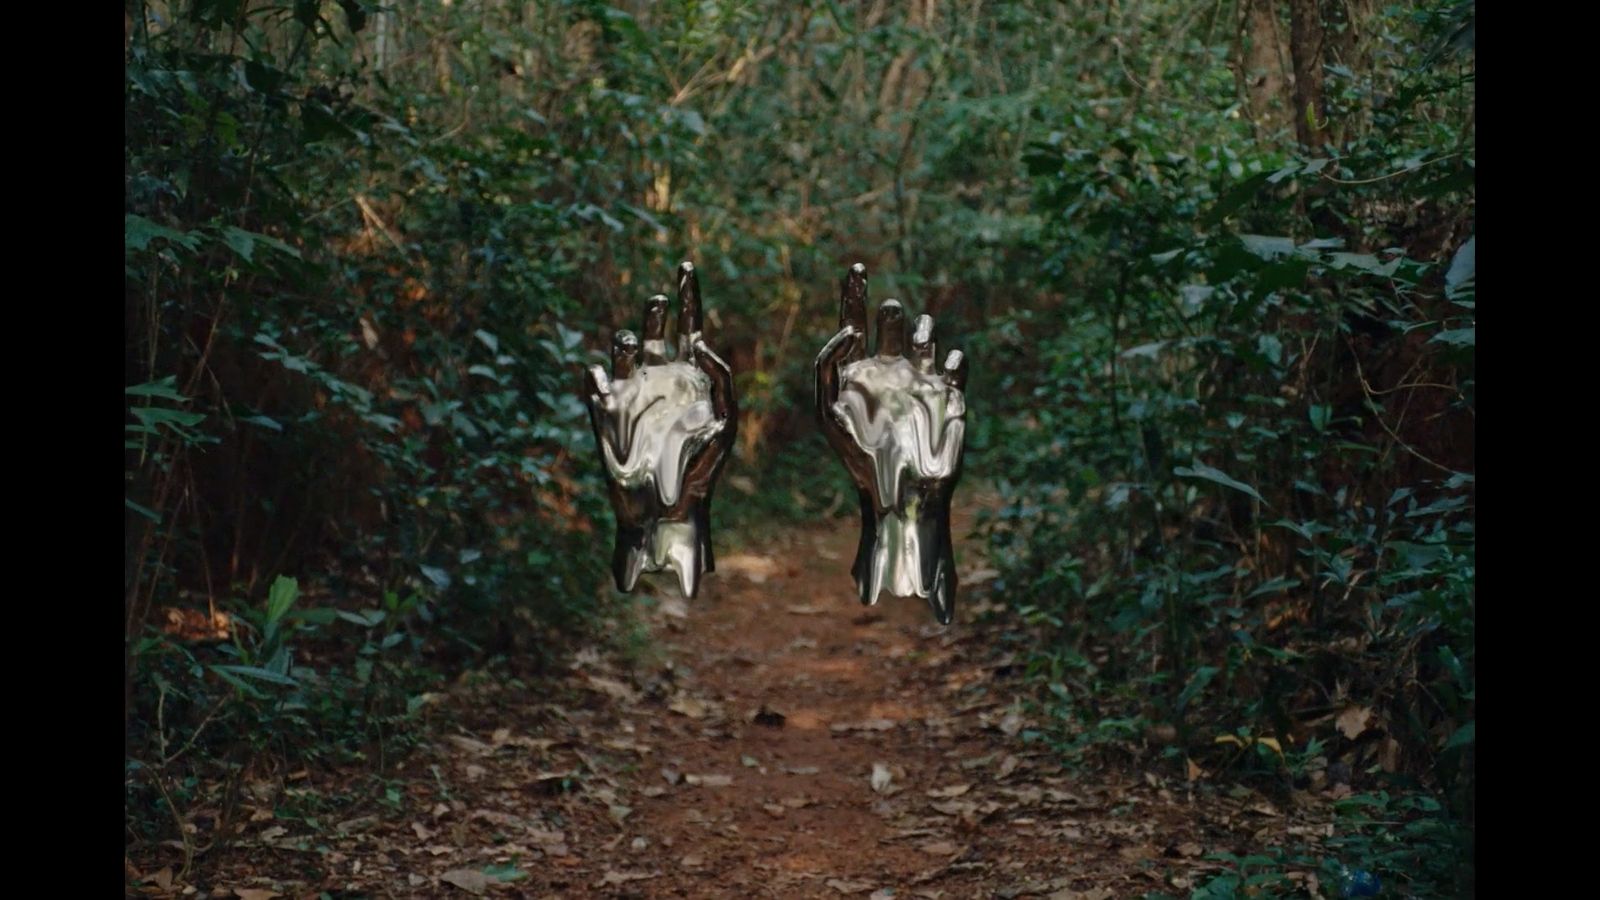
[{"x": 1367, "y": 388}]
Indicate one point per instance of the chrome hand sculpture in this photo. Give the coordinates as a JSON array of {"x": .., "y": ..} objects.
[
  {"x": 898, "y": 425},
  {"x": 663, "y": 428}
]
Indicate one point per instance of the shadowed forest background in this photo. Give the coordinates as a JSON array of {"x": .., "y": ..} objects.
[{"x": 1212, "y": 264}]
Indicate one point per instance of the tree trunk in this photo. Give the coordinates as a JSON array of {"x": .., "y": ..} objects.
[
  {"x": 1305, "y": 47},
  {"x": 1262, "y": 66}
]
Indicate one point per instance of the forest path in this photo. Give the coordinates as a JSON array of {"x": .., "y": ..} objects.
[{"x": 734, "y": 756}]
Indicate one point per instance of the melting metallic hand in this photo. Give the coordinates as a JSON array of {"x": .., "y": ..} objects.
[
  {"x": 663, "y": 428},
  {"x": 898, "y": 425}
]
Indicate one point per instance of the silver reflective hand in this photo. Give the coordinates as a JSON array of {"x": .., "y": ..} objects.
[
  {"x": 663, "y": 428},
  {"x": 898, "y": 423}
]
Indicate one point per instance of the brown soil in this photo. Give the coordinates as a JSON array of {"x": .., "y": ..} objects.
[{"x": 734, "y": 757}]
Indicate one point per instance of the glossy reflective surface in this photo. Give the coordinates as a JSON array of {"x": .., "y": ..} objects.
[
  {"x": 898, "y": 423},
  {"x": 663, "y": 428}
]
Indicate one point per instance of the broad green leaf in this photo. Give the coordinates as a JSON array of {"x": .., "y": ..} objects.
[
  {"x": 367, "y": 618},
  {"x": 145, "y": 511},
  {"x": 1269, "y": 346},
  {"x": 1197, "y": 683},
  {"x": 257, "y": 673},
  {"x": 166, "y": 389},
  {"x": 1319, "y": 414},
  {"x": 239, "y": 241},
  {"x": 225, "y": 674},
  {"x": 281, "y": 596},
  {"x": 1267, "y": 247},
  {"x": 438, "y": 576},
  {"x": 154, "y": 416},
  {"x": 1466, "y": 734},
  {"x": 321, "y": 615},
  {"x": 264, "y": 421},
  {"x": 138, "y": 232},
  {"x": 1463, "y": 269},
  {"x": 1201, "y": 470}
]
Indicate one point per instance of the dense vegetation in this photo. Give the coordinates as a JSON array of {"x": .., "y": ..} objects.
[{"x": 1213, "y": 263}]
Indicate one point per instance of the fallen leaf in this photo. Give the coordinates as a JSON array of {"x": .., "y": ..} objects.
[
  {"x": 255, "y": 894},
  {"x": 1389, "y": 755},
  {"x": 613, "y": 877},
  {"x": 954, "y": 790},
  {"x": 1011, "y": 724},
  {"x": 1053, "y": 795},
  {"x": 849, "y": 887},
  {"x": 423, "y": 831},
  {"x": 470, "y": 880},
  {"x": 612, "y": 688},
  {"x": 1137, "y": 852},
  {"x": 691, "y": 861},
  {"x": 471, "y": 745},
  {"x": 1091, "y": 894},
  {"x": 674, "y": 608},
  {"x": 1352, "y": 723},
  {"x": 756, "y": 569},
  {"x": 685, "y": 705},
  {"x": 195, "y": 626},
  {"x": 775, "y": 810},
  {"x": 709, "y": 780},
  {"x": 869, "y": 725},
  {"x": 939, "y": 848},
  {"x": 802, "y": 610},
  {"x": 880, "y": 778},
  {"x": 882, "y": 894},
  {"x": 979, "y": 576},
  {"x": 546, "y": 837},
  {"x": 977, "y": 762},
  {"x": 800, "y": 770},
  {"x": 1007, "y": 766}
]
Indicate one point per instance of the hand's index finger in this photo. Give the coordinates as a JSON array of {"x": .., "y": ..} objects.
[
  {"x": 655, "y": 330},
  {"x": 690, "y": 321},
  {"x": 853, "y": 299},
  {"x": 624, "y": 354}
]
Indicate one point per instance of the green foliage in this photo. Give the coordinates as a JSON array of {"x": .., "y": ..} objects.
[{"x": 1236, "y": 458}]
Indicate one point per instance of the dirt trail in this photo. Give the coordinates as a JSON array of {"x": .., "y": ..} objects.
[{"x": 737, "y": 759}]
